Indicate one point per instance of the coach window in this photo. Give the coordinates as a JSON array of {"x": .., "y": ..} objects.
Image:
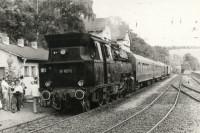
[
  {"x": 33, "y": 71},
  {"x": 138, "y": 67},
  {"x": 26, "y": 71},
  {"x": 43, "y": 70},
  {"x": 142, "y": 67}
]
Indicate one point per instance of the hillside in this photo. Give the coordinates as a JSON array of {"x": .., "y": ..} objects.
[{"x": 181, "y": 52}]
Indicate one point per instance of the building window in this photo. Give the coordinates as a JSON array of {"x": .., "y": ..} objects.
[
  {"x": 34, "y": 74},
  {"x": 26, "y": 71},
  {"x": 43, "y": 70}
]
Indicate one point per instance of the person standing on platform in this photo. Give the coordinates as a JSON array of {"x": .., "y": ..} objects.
[
  {"x": 21, "y": 80},
  {"x": 5, "y": 87},
  {"x": 1, "y": 98},
  {"x": 18, "y": 94},
  {"x": 13, "y": 100},
  {"x": 35, "y": 94}
]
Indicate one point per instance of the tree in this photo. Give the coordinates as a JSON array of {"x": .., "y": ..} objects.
[
  {"x": 139, "y": 46},
  {"x": 192, "y": 61},
  {"x": 162, "y": 54},
  {"x": 16, "y": 18},
  {"x": 20, "y": 18}
]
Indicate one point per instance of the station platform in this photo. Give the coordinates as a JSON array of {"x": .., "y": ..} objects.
[{"x": 8, "y": 119}]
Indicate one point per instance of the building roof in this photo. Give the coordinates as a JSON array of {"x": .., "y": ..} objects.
[
  {"x": 142, "y": 59},
  {"x": 121, "y": 35},
  {"x": 29, "y": 53},
  {"x": 96, "y": 25}
]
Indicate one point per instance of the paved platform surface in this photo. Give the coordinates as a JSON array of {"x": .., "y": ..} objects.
[{"x": 8, "y": 118}]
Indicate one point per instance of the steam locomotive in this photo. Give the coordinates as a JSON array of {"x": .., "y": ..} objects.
[{"x": 86, "y": 70}]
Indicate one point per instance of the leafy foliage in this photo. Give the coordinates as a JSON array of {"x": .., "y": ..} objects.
[
  {"x": 139, "y": 46},
  {"x": 190, "y": 62},
  {"x": 20, "y": 18}
]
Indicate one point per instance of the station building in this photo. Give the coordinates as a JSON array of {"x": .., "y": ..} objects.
[{"x": 19, "y": 60}]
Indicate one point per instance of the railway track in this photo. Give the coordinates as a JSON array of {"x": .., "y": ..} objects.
[
  {"x": 46, "y": 123},
  {"x": 138, "y": 121},
  {"x": 34, "y": 124},
  {"x": 190, "y": 92},
  {"x": 196, "y": 80},
  {"x": 14, "y": 127}
]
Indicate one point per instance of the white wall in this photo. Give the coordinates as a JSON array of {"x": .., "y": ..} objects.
[
  {"x": 3, "y": 61},
  {"x": 28, "y": 79},
  {"x": 18, "y": 67}
]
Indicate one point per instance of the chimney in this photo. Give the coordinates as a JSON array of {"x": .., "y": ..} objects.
[
  {"x": 4, "y": 39},
  {"x": 34, "y": 44},
  {"x": 20, "y": 42}
]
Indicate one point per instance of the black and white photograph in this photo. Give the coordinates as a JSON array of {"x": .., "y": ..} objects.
[{"x": 99, "y": 66}]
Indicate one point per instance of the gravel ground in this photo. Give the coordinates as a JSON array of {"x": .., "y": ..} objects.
[
  {"x": 147, "y": 119},
  {"x": 184, "y": 119},
  {"x": 102, "y": 118},
  {"x": 194, "y": 84},
  {"x": 186, "y": 89},
  {"x": 98, "y": 119},
  {"x": 32, "y": 125},
  {"x": 190, "y": 83},
  {"x": 186, "y": 116},
  {"x": 8, "y": 118}
]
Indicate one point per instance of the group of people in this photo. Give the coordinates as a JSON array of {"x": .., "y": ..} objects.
[{"x": 12, "y": 94}]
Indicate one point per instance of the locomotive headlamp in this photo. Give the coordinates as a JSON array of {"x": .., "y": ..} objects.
[
  {"x": 62, "y": 51},
  {"x": 48, "y": 83},
  {"x": 80, "y": 83},
  {"x": 79, "y": 94},
  {"x": 46, "y": 95}
]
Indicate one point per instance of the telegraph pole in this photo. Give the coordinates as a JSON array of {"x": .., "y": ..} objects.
[
  {"x": 35, "y": 109},
  {"x": 37, "y": 12}
]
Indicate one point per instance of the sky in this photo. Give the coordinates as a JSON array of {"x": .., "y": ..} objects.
[{"x": 158, "y": 22}]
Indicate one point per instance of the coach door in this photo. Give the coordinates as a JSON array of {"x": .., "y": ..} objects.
[
  {"x": 106, "y": 59},
  {"x": 2, "y": 72}
]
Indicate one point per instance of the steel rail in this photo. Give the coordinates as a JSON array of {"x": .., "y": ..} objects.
[
  {"x": 53, "y": 124},
  {"x": 137, "y": 113},
  {"x": 195, "y": 79},
  {"x": 168, "y": 113},
  {"x": 65, "y": 119},
  {"x": 25, "y": 123},
  {"x": 43, "y": 117},
  {"x": 187, "y": 94},
  {"x": 190, "y": 88}
]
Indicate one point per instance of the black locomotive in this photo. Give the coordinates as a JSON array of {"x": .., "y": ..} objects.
[{"x": 86, "y": 70}]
